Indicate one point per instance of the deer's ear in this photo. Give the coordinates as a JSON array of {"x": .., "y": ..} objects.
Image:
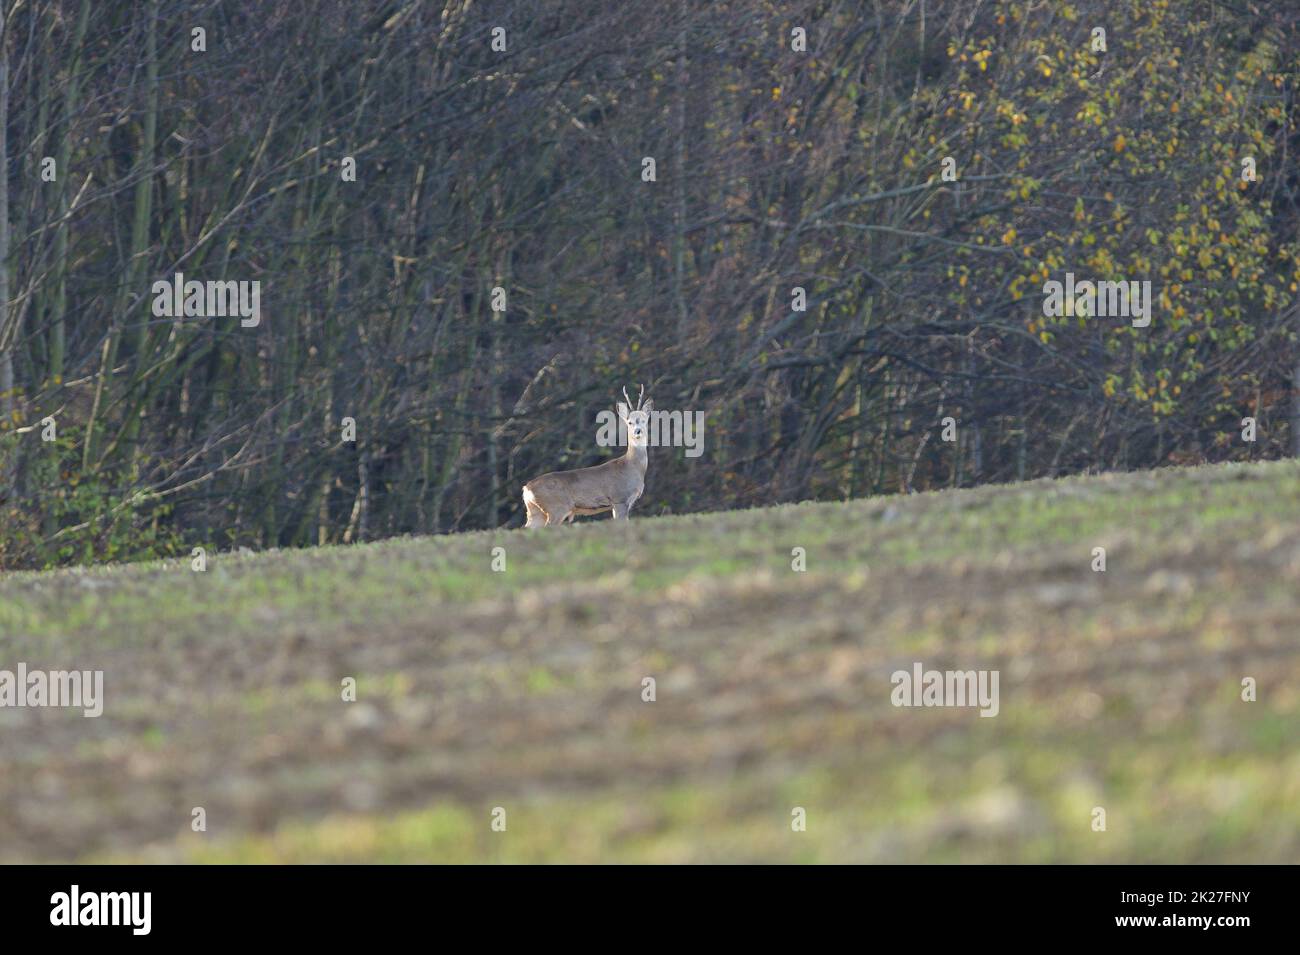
[{"x": 649, "y": 405}]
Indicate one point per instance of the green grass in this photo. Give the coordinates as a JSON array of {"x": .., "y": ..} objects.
[{"x": 522, "y": 689}]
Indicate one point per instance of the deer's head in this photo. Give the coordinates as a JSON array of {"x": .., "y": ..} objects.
[{"x": 638, "y": 419}]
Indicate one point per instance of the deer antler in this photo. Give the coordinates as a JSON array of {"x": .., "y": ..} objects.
[{"x": 639, "y": 399}]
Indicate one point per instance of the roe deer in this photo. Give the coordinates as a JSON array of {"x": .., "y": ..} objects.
[{"x": 615, "y": 485}]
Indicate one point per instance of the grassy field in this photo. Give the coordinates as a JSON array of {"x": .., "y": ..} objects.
[{"x": 522, "y": 689}]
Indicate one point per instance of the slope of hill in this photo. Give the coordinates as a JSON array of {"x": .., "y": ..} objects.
[{"x": 522, "y": 688}]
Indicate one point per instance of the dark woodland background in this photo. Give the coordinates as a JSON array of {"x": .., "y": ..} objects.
[{"x": 522, "y": 169}]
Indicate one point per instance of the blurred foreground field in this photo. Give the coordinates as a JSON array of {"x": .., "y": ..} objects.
[{"x": 522, "y": 689}]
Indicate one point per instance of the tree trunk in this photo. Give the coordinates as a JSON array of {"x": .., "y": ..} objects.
[
  {"x": 8, "y": 315},
  {"x": 1295, "y": 411}
]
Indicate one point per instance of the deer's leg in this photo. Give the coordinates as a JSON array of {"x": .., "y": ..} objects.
[
  {"x": 555, "y": 513},
  {"x": 621, "y": 510}
]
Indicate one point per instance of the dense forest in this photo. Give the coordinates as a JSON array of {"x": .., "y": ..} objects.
[{"x": 827, "y": 225}]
